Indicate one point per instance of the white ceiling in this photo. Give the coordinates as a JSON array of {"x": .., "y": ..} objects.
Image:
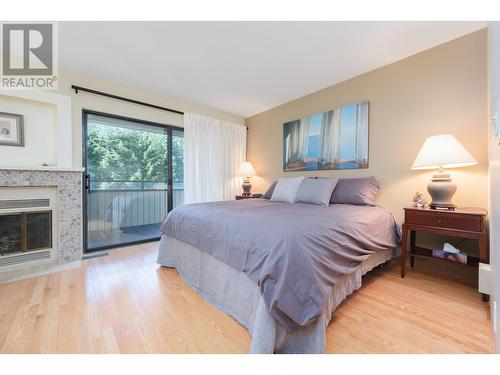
[{"x": 243, "y": 67}]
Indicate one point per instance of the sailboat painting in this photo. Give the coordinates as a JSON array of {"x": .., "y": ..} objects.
[{"x": 337, "y": 139}]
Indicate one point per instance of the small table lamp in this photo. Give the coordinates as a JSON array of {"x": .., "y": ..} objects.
[
  {"x": 246, "y": 171},
  {"x": 438, "y": 152}
]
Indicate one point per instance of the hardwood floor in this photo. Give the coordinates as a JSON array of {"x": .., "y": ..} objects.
[{"x": 124, "y": 303}]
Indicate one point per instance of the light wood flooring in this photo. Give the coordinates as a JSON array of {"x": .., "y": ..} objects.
[{"x": 125, "y": 303}]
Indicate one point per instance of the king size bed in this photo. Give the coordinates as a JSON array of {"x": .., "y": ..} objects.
[{"x": 280, "y": 269}]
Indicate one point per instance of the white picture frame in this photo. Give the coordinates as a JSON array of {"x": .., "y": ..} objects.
[{"x": 11, "y": 129}]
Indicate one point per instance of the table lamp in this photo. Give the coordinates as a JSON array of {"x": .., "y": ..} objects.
[
  {"x": 439, "y": 152},
  {"x": 246, "y": 171}
]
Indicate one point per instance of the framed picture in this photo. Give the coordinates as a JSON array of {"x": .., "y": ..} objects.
[
  {"x": 11, "y": 129},
  {"x": 337, "y": 139}
]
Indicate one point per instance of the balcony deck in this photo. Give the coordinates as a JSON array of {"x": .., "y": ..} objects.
[{"x": 115, "y": 237}]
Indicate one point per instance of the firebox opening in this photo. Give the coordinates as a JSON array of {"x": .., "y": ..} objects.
[{"x": 22, "y": 232}]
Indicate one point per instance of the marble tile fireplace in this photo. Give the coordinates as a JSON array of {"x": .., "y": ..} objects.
[{"x": 40, "y": 216}]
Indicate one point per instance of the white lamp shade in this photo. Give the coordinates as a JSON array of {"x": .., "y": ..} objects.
[
  {"x": 442, "y": 151},
  {"x": 246, "y": 170}
]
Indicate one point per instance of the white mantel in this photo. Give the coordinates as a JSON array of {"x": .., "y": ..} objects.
[{"x": 44, "y": 168}]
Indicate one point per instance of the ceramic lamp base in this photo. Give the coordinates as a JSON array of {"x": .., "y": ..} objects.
[
  {"x": 441, "y": 188},
  {"x": 247, "y": 187}
]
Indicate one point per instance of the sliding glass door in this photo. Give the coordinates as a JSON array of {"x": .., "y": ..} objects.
[{"x": 134, "y": 176}]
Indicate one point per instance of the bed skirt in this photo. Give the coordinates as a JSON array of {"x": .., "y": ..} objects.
[{"x": 232, "y": 292}]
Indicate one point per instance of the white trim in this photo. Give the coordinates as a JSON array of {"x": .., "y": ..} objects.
[
  {"x": 47, "y": 168},
  {"x": 40, "y": 269},
  {"x": 63, "y": 109}
]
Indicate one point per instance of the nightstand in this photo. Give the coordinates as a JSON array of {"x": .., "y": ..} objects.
[
  {"x": 239, "y": 197},
  {"x": 462, "y": 222}
]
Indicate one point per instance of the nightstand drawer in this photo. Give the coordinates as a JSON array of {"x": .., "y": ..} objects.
[{"x": 444, "y": 220}]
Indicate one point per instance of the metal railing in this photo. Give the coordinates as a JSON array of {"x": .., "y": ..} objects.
[{"x": 129, "y": 203}]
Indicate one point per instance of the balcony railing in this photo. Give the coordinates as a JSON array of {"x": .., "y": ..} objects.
[{"x": 118, "y": 206}]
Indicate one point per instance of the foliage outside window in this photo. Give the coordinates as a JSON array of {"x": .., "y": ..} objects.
[{"x": 125, "y": 158}]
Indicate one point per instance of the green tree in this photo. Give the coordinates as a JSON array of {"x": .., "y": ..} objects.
[{"x": 119, "y": 154}]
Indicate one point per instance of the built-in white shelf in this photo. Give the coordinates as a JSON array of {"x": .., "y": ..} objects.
[{"x": 44, "y": 168}]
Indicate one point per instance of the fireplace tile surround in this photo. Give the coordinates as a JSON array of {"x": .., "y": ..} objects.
[{"x": 69, "y": 202}]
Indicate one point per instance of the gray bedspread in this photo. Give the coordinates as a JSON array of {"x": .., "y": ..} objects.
[{"x": 294, "y": 252}]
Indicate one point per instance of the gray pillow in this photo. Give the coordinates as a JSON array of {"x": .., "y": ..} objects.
[
  {"x": 360, "y": 191},
  {"x": 286, "y": 189},
  {"x": 316, "y": 191},
  {"x": 269, "y": 193}
]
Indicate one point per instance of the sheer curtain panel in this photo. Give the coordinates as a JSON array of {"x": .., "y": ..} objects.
[{"x": 213, "y": 152}]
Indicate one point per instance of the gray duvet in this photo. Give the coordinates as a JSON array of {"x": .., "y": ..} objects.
[{"x": 294, "y": 252}]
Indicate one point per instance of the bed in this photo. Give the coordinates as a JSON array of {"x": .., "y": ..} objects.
[{"x": 279, "y": 269}]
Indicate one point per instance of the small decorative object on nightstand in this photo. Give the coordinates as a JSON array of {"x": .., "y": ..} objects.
[
  {"x": 438, "y": 152},
  {"x": 462, "y": 222},
  {"x": 246, "y": 171},
  {"x": 419, "y": 200}
]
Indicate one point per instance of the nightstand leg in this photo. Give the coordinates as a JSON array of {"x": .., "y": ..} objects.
[
  {"x": 412, "y": 247},
  {"x": 484, "y": 257},
  {"x": 404, "y": 244}
]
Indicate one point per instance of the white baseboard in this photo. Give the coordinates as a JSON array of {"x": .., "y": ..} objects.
[{"x": 35, "y": 271}]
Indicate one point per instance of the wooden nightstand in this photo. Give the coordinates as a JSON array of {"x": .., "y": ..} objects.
[
  {"x": 463, "y": 222},
  {"x": 239, "y": 197}
]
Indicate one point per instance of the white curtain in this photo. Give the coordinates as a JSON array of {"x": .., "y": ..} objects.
[
  {"x": 362, "y": 133},
  {"x": 292, "y": 142},
  {"x": 213, "y": 152},
  {"x": 297, "y": 140},
  {"x": 305, "y": 122},
  {"x": 330, "y": 137}
]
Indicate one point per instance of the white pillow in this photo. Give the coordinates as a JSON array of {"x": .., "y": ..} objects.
[
  {"x": 316, "y": 191},
  {"x": 286, "y": 189}
]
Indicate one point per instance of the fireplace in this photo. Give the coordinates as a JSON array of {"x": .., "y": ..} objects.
[
  {"x": 32, "y": 192},
  {"x": 27, "y": 231}
]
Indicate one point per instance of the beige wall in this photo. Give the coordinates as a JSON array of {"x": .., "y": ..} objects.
[{"x": 441, "y": 90}]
